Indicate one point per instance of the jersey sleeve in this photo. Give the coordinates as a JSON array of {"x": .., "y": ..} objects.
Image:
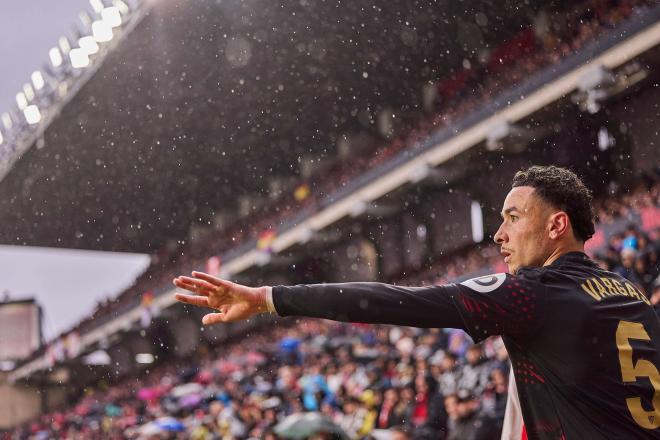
[{"x": 498, "y": 304}]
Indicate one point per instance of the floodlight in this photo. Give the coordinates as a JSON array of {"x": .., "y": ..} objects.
[
  {"x": 111, "y": 16},
  {"x": 65, "y": 47},
  {"x": 97, "y": 5},
  {"x": 32, "y": 114},
  {"x": 88, "y": 44},
  {"x": 62, "y": 89},
  {"x": 121, "y": 6},
  {"x": 85, "y": 19},
  {"x": 28, "y": 91},
  {"x": 101, "y": 31},
  {"x": 38, "y": 79},
  {"x": 21, "y": 100},
  {"x": 55, "y": 57},
  {"x": 79, "y": 58},
  {"x": 6, "y": 121}
]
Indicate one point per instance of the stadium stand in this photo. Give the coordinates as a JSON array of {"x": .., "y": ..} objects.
[
  {"x": 368, "y": 379},
  {"x": 516, "y": 58}
]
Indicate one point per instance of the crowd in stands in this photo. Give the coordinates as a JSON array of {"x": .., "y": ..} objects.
[
  {"x": 367, "y": 379},
  {"x": 633, "y": 252},
  {"x": 533, "y": 48},
  {"x": 373, "y": 381}
]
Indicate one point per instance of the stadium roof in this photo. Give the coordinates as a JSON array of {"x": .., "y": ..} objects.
[{"x": 208, "y": 101}]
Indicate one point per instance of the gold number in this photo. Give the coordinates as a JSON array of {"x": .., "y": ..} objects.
[{"x": 642, "y": 368}]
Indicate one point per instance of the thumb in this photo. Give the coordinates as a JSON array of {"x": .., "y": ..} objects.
[
  {"x": 213, "y": 318},
  {"x": 237, "y": 312}
]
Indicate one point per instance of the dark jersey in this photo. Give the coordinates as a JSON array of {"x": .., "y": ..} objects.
[{"x": 584, "y": 343}]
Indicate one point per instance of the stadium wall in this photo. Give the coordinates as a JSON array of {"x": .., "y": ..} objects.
[{"x": 20, "y": 402}]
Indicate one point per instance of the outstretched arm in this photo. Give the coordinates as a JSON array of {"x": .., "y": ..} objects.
[
  {"x": 497, "y": 304},
  {"x": 374, "y": 303},
  {"x": 349, "y": 302}
]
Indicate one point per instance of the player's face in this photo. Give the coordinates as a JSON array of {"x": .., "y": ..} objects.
[{"x": 522, "y": 237}]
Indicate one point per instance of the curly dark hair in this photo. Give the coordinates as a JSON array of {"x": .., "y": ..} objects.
[{"x": 564, "y": 190}]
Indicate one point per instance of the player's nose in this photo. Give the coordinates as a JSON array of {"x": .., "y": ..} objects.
[{"x": 500, "y": 236}]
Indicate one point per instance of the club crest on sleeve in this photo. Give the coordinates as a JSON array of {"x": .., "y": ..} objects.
[{"x": 486, "y": 283}]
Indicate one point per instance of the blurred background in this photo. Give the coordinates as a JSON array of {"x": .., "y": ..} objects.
[{"x": 293, "y": 142}]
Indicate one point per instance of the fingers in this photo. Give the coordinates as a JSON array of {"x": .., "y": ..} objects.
[
  {"x": 213, "y": 318},
  {"x": 193, "y": 283},
  {"x": 195, "y": 300},
  {"x": 213, "y": 280},
  {"x": 219, "y": 290},
  {"x": 193, "y": 289}
]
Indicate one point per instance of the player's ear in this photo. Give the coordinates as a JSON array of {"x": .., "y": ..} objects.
[{"x": 558, "y": 225}]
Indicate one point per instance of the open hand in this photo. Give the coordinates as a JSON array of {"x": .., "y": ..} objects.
[{"x": 234, "y": 302}]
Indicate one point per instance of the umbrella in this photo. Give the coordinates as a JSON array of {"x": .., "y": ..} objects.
[
  {"x": 169, "y": 424},
  {"x": 289, "y": 344},
  {"x": 148, "y": 393},
  {"x": 149, "y": 430},
  {"x": 113, "y": 410},
  {"x": 302, "y": 425},
  {"x": 185, "y": 389},
  {"x": 190, "y": 400}
]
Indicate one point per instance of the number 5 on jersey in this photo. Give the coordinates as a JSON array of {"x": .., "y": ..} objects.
[{"x": 642, "y": 368}]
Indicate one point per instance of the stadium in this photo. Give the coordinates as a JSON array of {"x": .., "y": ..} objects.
[{"x": 277, "y": 144}]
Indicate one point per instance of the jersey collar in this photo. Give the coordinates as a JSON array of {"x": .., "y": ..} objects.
[{"x": 573, "y": 258}]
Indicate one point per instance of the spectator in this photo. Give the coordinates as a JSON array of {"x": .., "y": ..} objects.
[
  {"x": 451, "y": 409},
  {"x": 369, "y": 400},
  {"x": 404, "y": 408},
  {"x": 450, "y": 373},
  {"x": 470, "y": 422},
  {"x": 626, "y": 268},
  {"x": 387, "y": 415},
  {"x": 353, "y": 417},
  {"x": 643, "y": 275},
  {"x": 495, "y": 397},
  {"x": 630, "y": 238},
  {"x": 474, "y": 374},
  {"x": 428, "y": 414}
]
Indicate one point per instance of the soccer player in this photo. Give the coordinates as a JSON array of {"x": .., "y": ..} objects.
[{"x": 584, "y": 343}]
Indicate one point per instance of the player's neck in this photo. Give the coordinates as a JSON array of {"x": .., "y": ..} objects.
[{"x": 564, "y": 249}]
